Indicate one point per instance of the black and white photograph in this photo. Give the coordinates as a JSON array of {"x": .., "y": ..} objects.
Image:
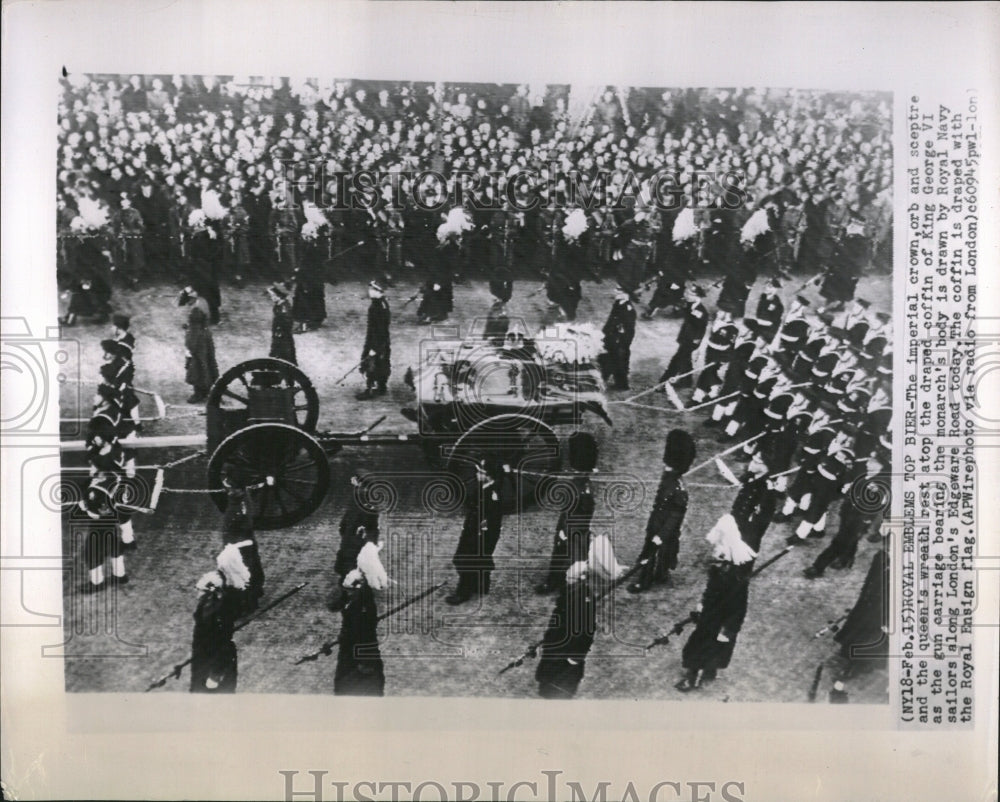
[
  {"x": 630, "y": 346},
  {"x": 442, "y": 383}
]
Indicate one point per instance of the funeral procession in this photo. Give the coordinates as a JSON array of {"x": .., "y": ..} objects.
[{"x": 401, "y": 388}]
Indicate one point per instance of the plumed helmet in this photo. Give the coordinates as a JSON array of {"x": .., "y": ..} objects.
[
  {"x": 679, "y": 451},
  {"x": 582, "y": 452}
]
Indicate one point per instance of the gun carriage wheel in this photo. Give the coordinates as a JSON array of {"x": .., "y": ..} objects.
[{"x": 290, "y": 462}]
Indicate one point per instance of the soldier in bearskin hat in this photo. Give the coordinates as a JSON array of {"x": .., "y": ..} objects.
[
  {"x": 238, "y": 533},
  {"x": 663, "y": 530},
  {"x": 572, "y": 535}
]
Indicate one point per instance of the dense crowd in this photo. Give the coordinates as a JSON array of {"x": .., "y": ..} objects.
[
  {"x": 146, "y": 164},
  {"x": 209, "y": 180}
]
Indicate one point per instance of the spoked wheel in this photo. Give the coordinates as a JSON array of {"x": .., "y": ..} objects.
[
  {"x": 293, "y": 459},
  {"x": 231, "y": 389},
  {"x": 527, "y": 445}
]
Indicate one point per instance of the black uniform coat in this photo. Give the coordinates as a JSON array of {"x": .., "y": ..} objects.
[
  {"x": 665, "y": 519},
  {"x": 619, "y": 331},
  {"x": 566, "y": 642},
  {"x": 724, "y": 606},
  {"x": 377, "y": 367},
  {"x": 480, "y": 532},
  {"x": 572, "y": 538},
  {"x": 213, "y": 653},
  {"x": 360, "y": 671},
  {"x": 282, "y": 339}
]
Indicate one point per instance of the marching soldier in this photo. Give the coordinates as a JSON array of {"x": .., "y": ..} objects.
[
  {"x": 572, "y": 537},
  {"x": 663, "y": 530},
  {"x": 852, "y": 324},
  {"x": 358, "y": 525},
  {"x": 238, "y": 532},
  {"x": 858, "y": 518},
  {"x": 795, "y": 330},
  {"x": 719, "y": 349},
  {"x": 689, "y": 338},
  {"x": 723, "y": 607},
  {"x": 480, "y": 533},
  {"x": 360, "y": 671},
  {"x": 569, "y": 636},
  {"x": 375, "y": 356},
  {"x": 282, "y": 324},
  {"x": 619, "y": 331},
  {"x": 103, "y": 544},
  {"x": 735, "y": 379},
  {"x": 213, "y": 652},
  {"x": 829, "y": 481}
]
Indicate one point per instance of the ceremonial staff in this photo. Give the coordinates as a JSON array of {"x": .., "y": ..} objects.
[
  {"x": 327, "y": 648},
  {"x": 176, "y": 671}
]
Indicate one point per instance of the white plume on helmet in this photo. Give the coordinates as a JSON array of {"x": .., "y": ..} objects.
[
  {"x": 728, "y": 543},
  {"x": 372, "y": 568},
  {"x": 230, "y": 563}
]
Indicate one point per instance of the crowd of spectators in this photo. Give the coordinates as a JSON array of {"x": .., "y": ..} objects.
[{"x": 146, "y": 162}]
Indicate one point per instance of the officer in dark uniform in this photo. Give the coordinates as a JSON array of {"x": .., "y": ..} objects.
[
  {"x": 282, "y": 324},
  {"x": 619, "y": 331},
  {"x": 360, "y": 671},
  {"x": 480, "y": 533},
  {"x": 568, "y": 637},
  {"x": 213, "y": 653},
  {"x": 663, "y": 530},
  {"x": 770, "y": 309},
  {"x": 572, "y": 537},
  {"x": 718, "y": 621},
  {"x": 375, "y": 355},
  {"x": 689, "y": 338}
]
